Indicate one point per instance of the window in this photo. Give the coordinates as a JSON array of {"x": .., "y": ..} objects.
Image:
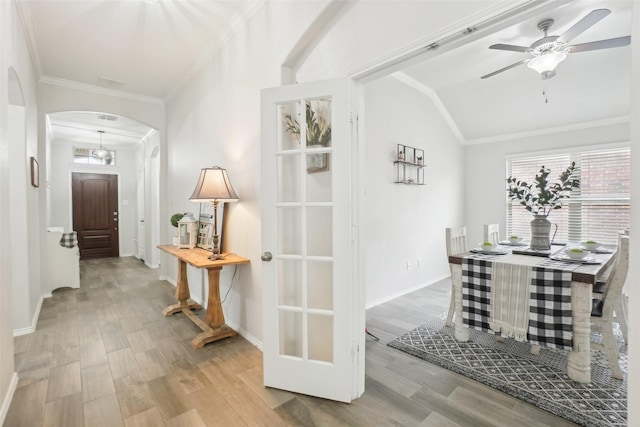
[
  {"x": 599, "y": 210},
  {"x": 87, "y": 156}
]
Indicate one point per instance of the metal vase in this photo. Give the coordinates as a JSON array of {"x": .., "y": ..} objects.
[{"x": 540, "y": 231}]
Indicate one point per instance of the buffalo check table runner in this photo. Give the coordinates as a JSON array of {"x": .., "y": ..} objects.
[{"x": 550, "y": 321}]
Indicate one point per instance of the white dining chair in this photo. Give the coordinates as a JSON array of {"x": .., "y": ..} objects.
[
  {"x": 620, "y": 314},
  {"x": 603, "y": 312},
  {"x": 492, "y": 233},
  {"x": 456, "y": 244}
]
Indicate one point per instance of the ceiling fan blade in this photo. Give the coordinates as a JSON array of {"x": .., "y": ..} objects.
[
  {"x": 600, "y": 44},
  {"x": 510, "y": 47},
  {"x": 506, "y": 68},
  {"x": 584, "y": 24}
]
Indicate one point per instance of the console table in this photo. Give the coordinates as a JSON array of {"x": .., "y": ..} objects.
[{"x": 213, "y": 326}]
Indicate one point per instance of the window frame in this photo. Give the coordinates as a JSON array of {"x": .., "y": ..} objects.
[{"x": 573, "y": 207}]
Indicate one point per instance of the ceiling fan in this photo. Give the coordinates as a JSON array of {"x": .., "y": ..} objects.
[{"x": 547, "y": 52}]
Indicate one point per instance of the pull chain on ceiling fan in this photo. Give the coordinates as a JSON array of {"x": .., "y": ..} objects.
[{"x": 547, "y": 52}]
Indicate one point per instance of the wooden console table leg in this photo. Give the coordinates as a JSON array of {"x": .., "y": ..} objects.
[
  {"x": 213, "y": 325},
  {"x": 182, "y": 293}
]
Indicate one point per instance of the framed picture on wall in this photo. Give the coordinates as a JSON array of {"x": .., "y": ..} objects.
[{"x": 35, "y": 172}]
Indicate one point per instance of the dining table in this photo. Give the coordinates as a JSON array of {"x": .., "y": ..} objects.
[{"x": 560, "y": 283}]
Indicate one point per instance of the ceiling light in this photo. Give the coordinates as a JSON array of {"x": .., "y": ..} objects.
[
  {"x": 102, "y": 153},
  {"x": 546, "y": 63}
]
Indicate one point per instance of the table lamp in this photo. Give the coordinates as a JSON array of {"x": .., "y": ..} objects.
[{"x": 214, "y": 186}]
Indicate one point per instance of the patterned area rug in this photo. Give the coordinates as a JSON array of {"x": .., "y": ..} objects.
[{"x": 539, "y": 380}]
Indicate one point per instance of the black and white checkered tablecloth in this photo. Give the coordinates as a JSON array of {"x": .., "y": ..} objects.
[
  {"x": 69, "y": 240},
  {"x": 550, "y": 321}
]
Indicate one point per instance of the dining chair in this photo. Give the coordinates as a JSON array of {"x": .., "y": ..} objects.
[
  {"x": 456, "y": 244},
  {"x": 620, "y": 315},
  {"x": 603, "y": 309},
  {"x": 492, "y": 233}
]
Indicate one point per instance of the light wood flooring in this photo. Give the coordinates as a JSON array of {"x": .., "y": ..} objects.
[{"x": 103, "y": 355}]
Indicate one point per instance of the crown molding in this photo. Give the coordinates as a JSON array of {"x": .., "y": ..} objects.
[
  {"x": 55, "y": 81},
  {"x": 550, "y": 130},
  {"x": 24, "y": 12},
  {"x": 235, "y": 22}
]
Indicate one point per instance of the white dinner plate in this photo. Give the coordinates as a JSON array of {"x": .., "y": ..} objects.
[
  {"x": 566, "y": 258},
  {"x": 509, "y": 243},
  {"x": 490, "y": 252},
  {"x": 600, "y": 250}
]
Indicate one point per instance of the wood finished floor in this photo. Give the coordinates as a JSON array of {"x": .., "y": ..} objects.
[{"x": 103, "y": 355}]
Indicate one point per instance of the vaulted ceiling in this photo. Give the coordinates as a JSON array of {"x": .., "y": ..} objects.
[{"x": 150, "y": 47}]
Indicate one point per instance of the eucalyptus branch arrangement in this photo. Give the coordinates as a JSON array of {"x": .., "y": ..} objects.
[
  {"x": 318, "y": 129},
  {"x": 543, "y": 196}
]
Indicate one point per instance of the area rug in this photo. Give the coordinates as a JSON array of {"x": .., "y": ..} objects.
[{"x": 540, "y": 380}]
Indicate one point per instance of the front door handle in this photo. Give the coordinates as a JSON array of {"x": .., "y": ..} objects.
[{"x": 266, "y": 256}]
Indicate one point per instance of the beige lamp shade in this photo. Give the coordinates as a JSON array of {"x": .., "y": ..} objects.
[{"x": 214, "y": 184}]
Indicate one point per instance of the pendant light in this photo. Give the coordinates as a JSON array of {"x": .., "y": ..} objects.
[{"x": 102, "y": 153}]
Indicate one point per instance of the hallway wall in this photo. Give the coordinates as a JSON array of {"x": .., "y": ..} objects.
[{"x": 16, "y": 89}]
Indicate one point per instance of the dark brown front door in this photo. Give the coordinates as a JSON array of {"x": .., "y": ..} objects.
[{"x": 95, "y": 214}]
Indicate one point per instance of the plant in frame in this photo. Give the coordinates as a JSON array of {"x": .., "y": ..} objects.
[{"x": 318, "y": 128}]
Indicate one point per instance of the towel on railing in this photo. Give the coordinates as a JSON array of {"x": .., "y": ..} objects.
[
  {"x": 510, "y": 296},
  {"x": 69, "y": 240}
]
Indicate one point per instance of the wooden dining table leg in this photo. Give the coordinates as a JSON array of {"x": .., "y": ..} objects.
[
  {"x": 182, "y": 293},
  {"x": 579, "y": 359},
  {"x": 213, "y": 326},
  {"x": 461, "y": 332}
]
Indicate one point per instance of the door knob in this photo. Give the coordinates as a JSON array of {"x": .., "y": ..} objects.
[{"x": 266, "y": 256}]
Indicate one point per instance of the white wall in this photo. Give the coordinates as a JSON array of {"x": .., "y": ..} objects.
[
  {"x": 15, "y": 55},
  {"x": 485, "y": 187},
  {"x": 405, "y": 223}
]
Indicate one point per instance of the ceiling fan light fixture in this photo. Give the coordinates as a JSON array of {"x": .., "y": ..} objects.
[{"x": 546, "y": 63}]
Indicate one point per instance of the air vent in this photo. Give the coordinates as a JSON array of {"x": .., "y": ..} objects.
[{"x": 108, "y": 117}]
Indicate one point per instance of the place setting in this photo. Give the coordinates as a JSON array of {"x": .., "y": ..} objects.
[
  {"x": 582, "y": 253},
  {"x": 513, "y": 241},
  {"x": 488, "y": 248}
]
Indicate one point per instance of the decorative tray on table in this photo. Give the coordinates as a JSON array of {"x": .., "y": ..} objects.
[{"x": 536, "y": 252}]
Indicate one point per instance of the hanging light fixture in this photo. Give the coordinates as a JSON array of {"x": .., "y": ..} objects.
[
  {"x": 102, "y": 153},
  {"x": 546, "y": 62}
]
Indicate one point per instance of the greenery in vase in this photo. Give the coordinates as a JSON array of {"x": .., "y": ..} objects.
[
  {"x": 543, "y": 196},
  {"x": 318, "y": 130}
]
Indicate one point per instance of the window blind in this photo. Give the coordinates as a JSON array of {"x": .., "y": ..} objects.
[{"x": 598, "y": 210}]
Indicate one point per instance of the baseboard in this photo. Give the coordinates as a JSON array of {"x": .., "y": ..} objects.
[
  {"x": 34, "y": 320},
  {"x": 246, "y": 335},
  {"x": 406, "y": 291},
  {"x": 6, "y": 402},
  {"x": 154, "y": 266}
]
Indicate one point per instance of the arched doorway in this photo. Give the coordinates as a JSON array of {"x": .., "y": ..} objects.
[{"x": 73, "y": 139}]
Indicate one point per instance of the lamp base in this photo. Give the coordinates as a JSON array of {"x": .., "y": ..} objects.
[{"x": 216, "y": 257}]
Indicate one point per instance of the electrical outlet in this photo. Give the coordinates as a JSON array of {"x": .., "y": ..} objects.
[{"x": 408, "y": 265}]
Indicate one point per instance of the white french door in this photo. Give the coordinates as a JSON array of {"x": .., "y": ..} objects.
[{"x": 311, "y": 326}]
